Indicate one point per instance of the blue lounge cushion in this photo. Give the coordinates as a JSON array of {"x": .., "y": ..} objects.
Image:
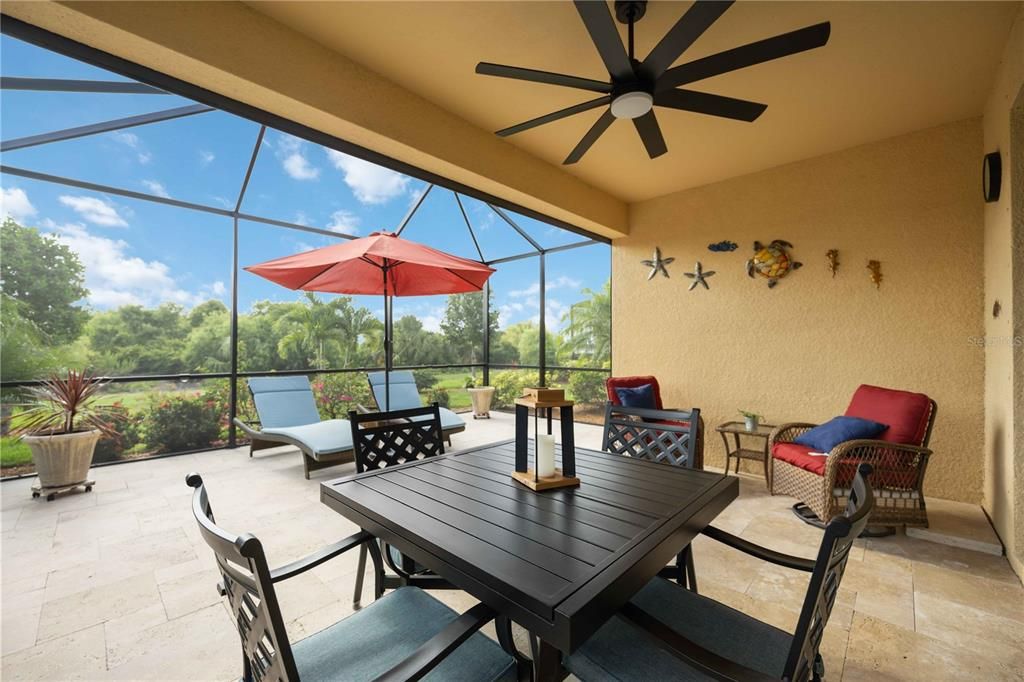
[
  {"x": 405, "y": 396},
  {"x": 284, "y": 401},
  {"x": 839, "y": 430},
  {"x": 622, "y": 651},
  {"x": 637, "y": 396},
  {"x": 371, "y": 641},
  {"x": 321, "y": 438}
]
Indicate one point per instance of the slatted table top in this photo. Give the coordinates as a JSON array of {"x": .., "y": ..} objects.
[{"x": 559, "y": 562}]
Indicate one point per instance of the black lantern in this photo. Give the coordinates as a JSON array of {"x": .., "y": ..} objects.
[{"x": 544, "y": 475}]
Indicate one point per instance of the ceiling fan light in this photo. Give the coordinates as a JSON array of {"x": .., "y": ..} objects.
[{"x": 632, "y": 104}]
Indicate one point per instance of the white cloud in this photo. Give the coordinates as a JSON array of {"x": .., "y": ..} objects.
[
  {"x": 156, "y": 188},
  {"x": 206, "y": 158},
  {"x": 114, "y": 277},
  {"x": 291, "y": 151},
  {"x": 531, "y": 290},
  {"x": 344, "y": 221},
  {"x": 218, "y": 288},
  {"x": 14, "y": 204},
  {"x": 132, "y": 140},
  {"x": 226, "y": 203},
  {"x": 301, "y": 247},
  {"x": 301, "y": 218},
  {"x": 560, "y": 282},
  {"x": 94, "y": 210},
  {"x": 371, "y": 184}
]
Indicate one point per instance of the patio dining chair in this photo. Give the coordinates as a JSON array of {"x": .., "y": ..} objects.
[
  {"x": 403, "y": 635},
  {"x": 288, "y": 415},
  {"x": 669, "y": 633},
  {"x": 663, "y": 436},
  {"x": 405, "y": 396},
  {"x": 383, "y": 439},
  {"x": 612, "y": 384}
]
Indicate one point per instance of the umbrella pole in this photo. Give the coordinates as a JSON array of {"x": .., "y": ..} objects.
[{"x": 387, "y": 343}]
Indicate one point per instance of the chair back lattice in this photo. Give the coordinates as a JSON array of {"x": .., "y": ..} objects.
[
  {"x": 246, "y": 582},
  {"x": 803, "y": 662},
  {"x": 383, "y": 439},
  {"x": 666, "y": 436}
]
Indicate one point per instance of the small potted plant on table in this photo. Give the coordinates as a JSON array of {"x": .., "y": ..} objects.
[
  {"x": 751, "y": 420},
  {"x": 481, "y": 397},
  {"x": 61, "y": 429}
]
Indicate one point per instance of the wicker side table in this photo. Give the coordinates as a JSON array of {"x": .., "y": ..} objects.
[{"x": 736, "y": 449}]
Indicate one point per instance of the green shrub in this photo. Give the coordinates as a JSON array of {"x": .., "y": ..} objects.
[
  {"x": 587, "y": 387},
  {"x": 178, "y": 423},
  {"x": 130, "y": 429},
  {"x": 509, "y": 385},
  {"x": 425, "y": 378},
  {"x": 337, "y": 394},
  {"x": 439, "y": 396}
]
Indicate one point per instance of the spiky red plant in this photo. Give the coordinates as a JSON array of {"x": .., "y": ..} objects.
[{"x": 66, "y": 404}]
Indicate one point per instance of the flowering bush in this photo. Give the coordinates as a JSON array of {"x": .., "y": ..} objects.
[
  {"x": 439, "y": 396},
  {"x": 336, "y": 394},
  {"x": 183, "y": 422},
  {"x": 509, "y": 385}
]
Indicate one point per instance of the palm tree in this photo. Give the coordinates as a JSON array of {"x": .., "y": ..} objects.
[
  {"x": 316, "y": 328},
  {"x": 356, "y": 324},
  {"x": 589, "y": 329}
]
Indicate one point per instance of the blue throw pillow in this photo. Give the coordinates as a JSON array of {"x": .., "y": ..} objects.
[
  {"x": 839, "y": 430},
  {"x": 640, "y": 396}
]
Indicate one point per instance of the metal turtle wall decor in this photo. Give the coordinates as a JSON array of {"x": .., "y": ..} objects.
[
  {"x": 772, "y": 262},
  {"x": 656, "y": 264}
]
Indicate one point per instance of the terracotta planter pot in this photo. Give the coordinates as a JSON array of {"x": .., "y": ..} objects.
[
  {"x": 62, "y": 460},
  {"x": 481, "y": 398}
]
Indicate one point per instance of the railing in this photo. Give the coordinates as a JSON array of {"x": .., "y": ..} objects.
[{"x": 241, "y": 406}]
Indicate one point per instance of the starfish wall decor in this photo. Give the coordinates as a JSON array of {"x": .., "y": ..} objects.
[
  {"x": 698, "y": 276},
  {"x": 657, "y": 264}
]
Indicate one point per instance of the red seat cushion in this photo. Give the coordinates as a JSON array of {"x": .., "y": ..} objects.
[
  {"x": 611, "y": 383},
  {"x": 796, "y": 455},
  {"x": 906, "y": 413}
]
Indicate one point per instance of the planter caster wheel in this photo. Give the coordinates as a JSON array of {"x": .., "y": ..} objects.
[
  {"x": 51, "y": 497},
  {"x": 35, "y": 495},
  {"x": 88, "y": 488}
]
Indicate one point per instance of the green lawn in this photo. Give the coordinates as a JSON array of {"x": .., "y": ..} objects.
[
  {"x": 13, "y": 452},
  {"x": 455, "y": 384}
]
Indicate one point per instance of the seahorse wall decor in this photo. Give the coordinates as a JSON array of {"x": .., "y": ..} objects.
[
  {"x": 832, "y": 256},
  {"x": 875, "y": 267}
]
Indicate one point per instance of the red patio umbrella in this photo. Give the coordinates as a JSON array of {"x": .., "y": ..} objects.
[{"x": 381, "y": 263}]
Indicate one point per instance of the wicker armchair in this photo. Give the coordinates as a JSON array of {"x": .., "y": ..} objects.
[
  {"x": 899, "y": 458},
  {"x": 611, "y": 383}
]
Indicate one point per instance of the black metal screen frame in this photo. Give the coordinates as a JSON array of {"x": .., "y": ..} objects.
[{"x": 211, "y": 101}]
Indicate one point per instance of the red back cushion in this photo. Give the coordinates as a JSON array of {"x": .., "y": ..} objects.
[
  {"x": 906, "y": 413},
  {"x": 611, "y": 383}
]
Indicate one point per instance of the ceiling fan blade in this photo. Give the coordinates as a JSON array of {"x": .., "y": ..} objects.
[
  {"x": 747, "y": 55},
  {"x": 650, "y": 133},
  {"x": 590, "y": 138},
  {"x": 554, "y": 116},
  {"x": 519, "y": 73},
  {"x": 690, "y": 26},
  {"x": 713, "y": 105},
  {"x": 601, "y": 26}
]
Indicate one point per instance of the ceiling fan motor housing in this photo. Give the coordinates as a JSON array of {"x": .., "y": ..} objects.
[{"x": 632, "y": 103}]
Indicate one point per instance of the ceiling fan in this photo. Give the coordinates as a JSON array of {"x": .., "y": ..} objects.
[{"x": 635, "y": 88}]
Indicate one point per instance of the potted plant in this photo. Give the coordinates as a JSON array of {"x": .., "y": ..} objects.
[
  {"x": 61, "y": 428},
  {"x": 481, "y": 397},
  {"x": 751, "y": 420}
]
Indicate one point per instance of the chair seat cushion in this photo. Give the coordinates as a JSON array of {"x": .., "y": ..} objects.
[
  {"x": 839, "y": 430},
  {"x": 449, "y": 420},
  {"x": 906, "y": 413},
  {"x": 321, "y": 438},
  {"x": 623, "y": 651},
  {"x": 799, "y": 456},
  {"x": 371, "y": 641}
]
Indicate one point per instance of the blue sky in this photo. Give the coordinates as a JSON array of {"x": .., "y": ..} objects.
[{"x": 142, "y": 252}]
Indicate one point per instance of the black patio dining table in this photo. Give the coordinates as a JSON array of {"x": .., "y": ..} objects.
[{"x": 558, "y": 562}]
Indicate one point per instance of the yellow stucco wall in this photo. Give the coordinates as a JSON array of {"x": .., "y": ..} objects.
[
  {"x": 798, "y": 351},
  {"x": 1004, "y": 281}
]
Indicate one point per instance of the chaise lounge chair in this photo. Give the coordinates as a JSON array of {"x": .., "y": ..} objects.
[
  {"x": 288, "y": 415},
  {"x": 404, "y": 396}
]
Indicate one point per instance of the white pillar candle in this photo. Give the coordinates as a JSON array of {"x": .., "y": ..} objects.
[{"x": 545, "y": 455}]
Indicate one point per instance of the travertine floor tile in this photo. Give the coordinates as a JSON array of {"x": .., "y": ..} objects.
[{"x": 125, "y": 571}]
